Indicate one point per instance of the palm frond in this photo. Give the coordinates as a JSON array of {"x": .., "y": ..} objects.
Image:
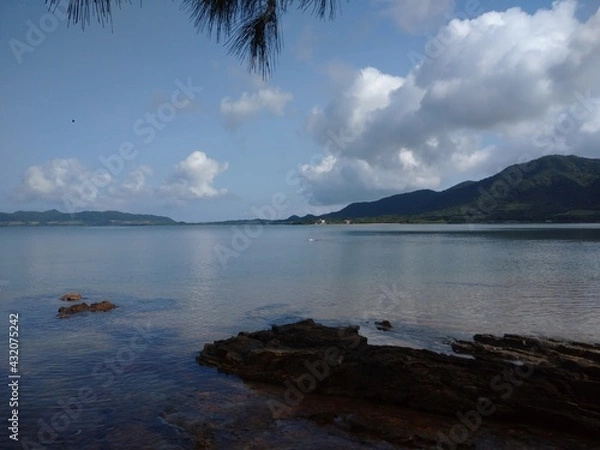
[
  {"x": 257, "y": 38},
  {"x": 218, "y": 16},
  {"x": 320, "y": 7},
  {"x": 81, "y": 11},
  {"x": 251, "y": 28}
]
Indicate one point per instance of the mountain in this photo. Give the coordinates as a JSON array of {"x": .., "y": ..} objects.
[
  {"x": 84, "y": 218},
  {"x": 551, "y": 188}
]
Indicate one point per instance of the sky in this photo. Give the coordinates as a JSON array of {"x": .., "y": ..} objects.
[{"x": 390, "y": 97}]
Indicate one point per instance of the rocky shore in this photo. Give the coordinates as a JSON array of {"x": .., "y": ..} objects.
[{"x": 547, "y": 390}]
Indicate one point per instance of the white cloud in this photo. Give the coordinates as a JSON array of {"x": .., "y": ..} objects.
[
  {"x": 498, "y": 86},
  {"x": 63, "y": 182},
  {"x": 353, "y": 179},
  {"x": 236, "y": 112},
  {"x": 418, "y": 16},
  {"x": 193, "y": 178},
  {"x": 369, "y": 92},
  {"x": 48, "y": 181},
  {"x": 70, "y": 185},
  {"x": 135, "y": 184},
  {"x": 325, "y": 166}
]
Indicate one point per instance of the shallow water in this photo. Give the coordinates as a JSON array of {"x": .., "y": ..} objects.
[{"x": 96, "y": 380}]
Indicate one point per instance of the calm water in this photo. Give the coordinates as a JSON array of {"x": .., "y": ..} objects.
[{"x": 117, "y": 372}]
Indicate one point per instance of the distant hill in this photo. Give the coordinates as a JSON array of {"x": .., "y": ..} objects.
[
  {"x": 84, "y": 218},
  {"x": 552, "y": 188}
]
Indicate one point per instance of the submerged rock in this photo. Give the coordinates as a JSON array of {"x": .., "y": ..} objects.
[
  {"x": 103, "y": 306},
  {"x": 384, "y": 325},
  {"x": 68, "y": 310},
  {"x": 71, "y": 296},
  {"x": 513, "y": 379},
  {"x": 229, "y": 415}
]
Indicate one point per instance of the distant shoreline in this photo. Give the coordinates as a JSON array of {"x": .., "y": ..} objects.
[{"x": 284, "y": 223}]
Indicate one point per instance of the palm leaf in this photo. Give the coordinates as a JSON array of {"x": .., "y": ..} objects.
[
  {"x": 249, "y": 27},
  {"x": 81, "y": 11}
]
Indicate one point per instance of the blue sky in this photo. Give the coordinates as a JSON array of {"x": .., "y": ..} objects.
[{"x": 392, "y": 96}]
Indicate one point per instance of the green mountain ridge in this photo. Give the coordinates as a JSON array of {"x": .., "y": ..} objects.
[
  {"x": 552, "y": 188},
  {"x": 83, "y": 218}
]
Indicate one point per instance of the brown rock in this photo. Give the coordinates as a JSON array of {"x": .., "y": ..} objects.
[
  {"x": 71, "y": 296},
  {"x": 103, "y": 306},
  {"x": 65, "y": 311}
]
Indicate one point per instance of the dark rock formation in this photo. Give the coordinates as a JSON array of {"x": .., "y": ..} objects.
[
  {"x": 71, "y": 296},
  {"x": 515, "y": 379},
  {"x": 384, "y": 325},
  {"x": 226, "y": 414},
  {"x": 103, "y": 306},
  {"x": 64, "y": 311}
]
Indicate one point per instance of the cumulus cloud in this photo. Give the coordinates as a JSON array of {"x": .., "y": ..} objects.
[
  {"x": 66, "y": 182},
  {"x": 418, "y": 16},
  {"x": 135, "y": 184},
  {"x": 193, "y": 178},
  {"x": 485, "y": 91},
  {"x": 71, "y": 185},
  {"x": 235, "y": 112},
  {"x": 48, "y": 181}
]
